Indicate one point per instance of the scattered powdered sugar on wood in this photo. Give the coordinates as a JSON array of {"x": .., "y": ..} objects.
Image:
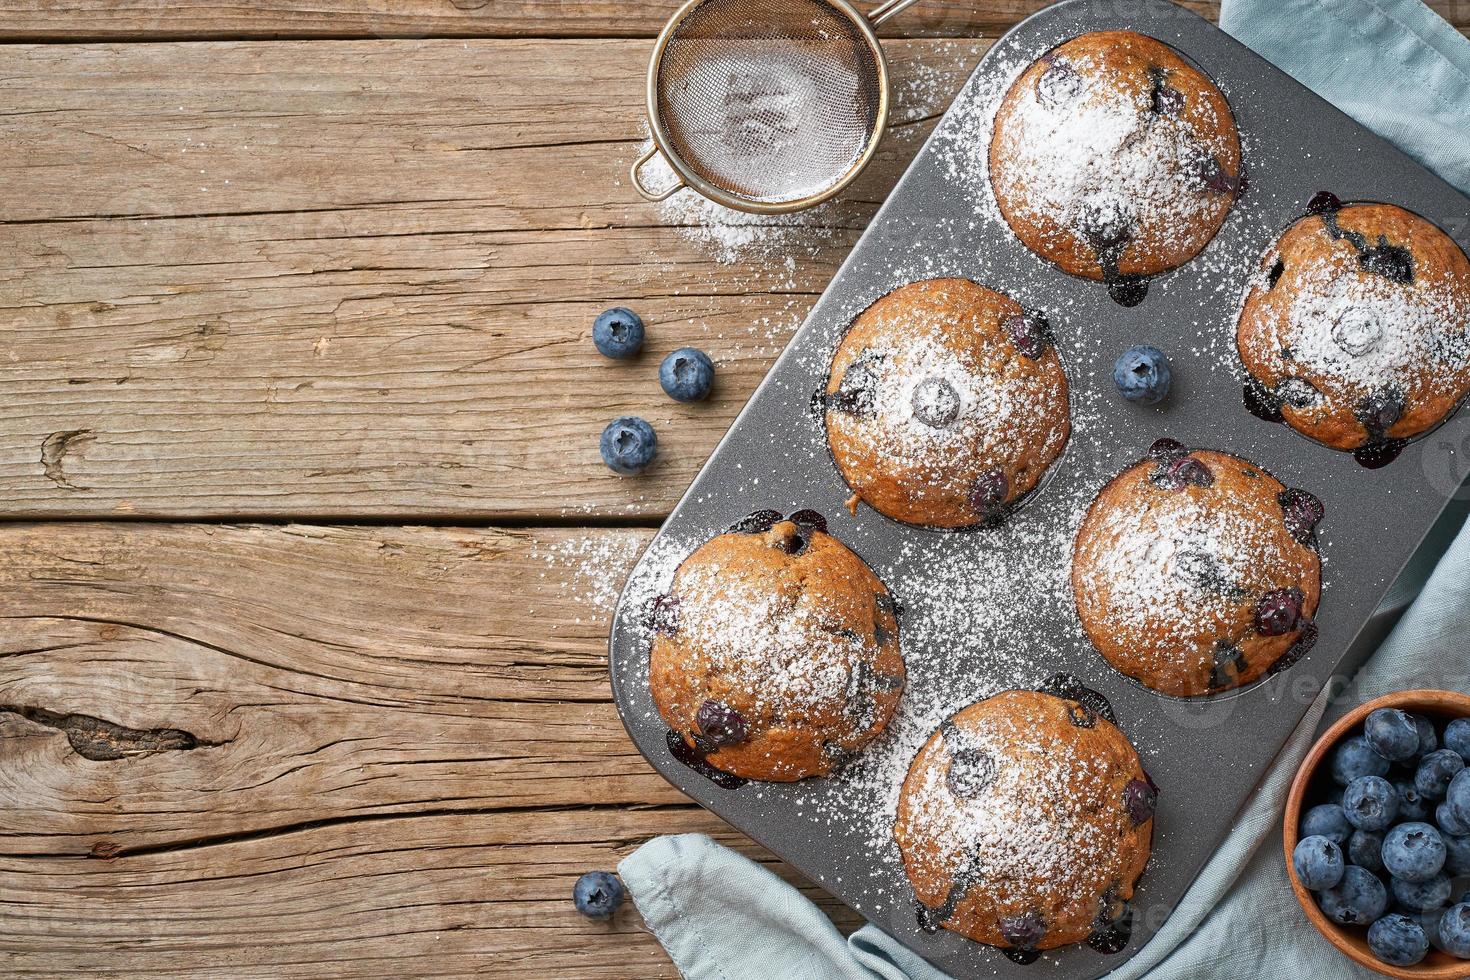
[{"x": 594, "y": 567}]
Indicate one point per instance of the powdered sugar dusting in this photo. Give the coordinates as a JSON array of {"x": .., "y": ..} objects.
[
  {"x": 1368, "y": 331},
  {"x": 1090, "y": 155},
  {"x": 1029, "y": 825},
  {"x": 984, "y": 409},
  {"x": 787, "y": 655},
  {"x": 1192, "y": 557}
]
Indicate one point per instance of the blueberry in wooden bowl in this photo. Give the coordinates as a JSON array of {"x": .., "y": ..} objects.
[{"x": 1384, "y": 873}]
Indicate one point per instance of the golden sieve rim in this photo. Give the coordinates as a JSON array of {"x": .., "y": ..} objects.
[{"x": 863, "y": 24}]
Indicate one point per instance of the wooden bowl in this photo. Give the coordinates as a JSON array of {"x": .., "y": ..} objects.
[{"x": 1441, "y": 706}]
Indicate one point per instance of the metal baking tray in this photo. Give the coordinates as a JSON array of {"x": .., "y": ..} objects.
[{"x": 989, "y": 609}]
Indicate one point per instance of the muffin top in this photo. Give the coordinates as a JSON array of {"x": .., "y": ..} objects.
[
  {"x": 945, "y": 404},
  {"x": 1355, "y": 326},
  {"x": 776, "y": 652},
  {"x": 1025, "y": 822},
  {"x": 1197, "y": 571},
  {"x": 1114, "y": 158}
]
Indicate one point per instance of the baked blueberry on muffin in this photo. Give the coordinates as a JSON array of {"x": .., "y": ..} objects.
[
  {"x": 1196, "y": 571},
  {"x": 945, "y": 404},
  {"x": 775, "y": 654},
  {"x": 1354, "y": 329},
  {"x": 1115, "y": 159},
  {"x": 1025, "y": 822}
]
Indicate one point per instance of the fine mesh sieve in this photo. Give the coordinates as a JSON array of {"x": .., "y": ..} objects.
[{"x": 767, "y": 106}]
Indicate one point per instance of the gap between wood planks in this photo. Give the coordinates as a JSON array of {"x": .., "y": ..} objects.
[{"x": 147, "y": 20}]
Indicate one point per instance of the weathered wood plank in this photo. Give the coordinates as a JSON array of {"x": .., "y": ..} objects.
[
  {"x": 357, "y": 279},
  {"x": 485, "y": 895},
  {"x": 27, "y": 20},
  {"x": 167, "y": 683}
]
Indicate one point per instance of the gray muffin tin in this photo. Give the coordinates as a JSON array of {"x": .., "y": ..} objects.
[{"x": 1206, "y": 754}]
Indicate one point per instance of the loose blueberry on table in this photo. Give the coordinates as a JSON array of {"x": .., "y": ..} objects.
[
  {"x": 687, "y": 374},
  {"x": 1142, "y": 375},
  {"x": 628, "y": 445},
  {"x": 597, "y": 894},
  {"x": 1388, "y": 852},
  {"x": 618, "y": 333}
]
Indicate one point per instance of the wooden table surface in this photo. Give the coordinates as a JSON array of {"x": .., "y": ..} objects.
[{"x": 309, "y": 552}]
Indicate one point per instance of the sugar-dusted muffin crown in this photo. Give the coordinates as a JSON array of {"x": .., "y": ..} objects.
[
  {"x": 945, "y": 404},
  {"x": 776, "y": 652},
  {"x": 1197, "y": 571},
  {"x": 1356, "y": 326},
  {"x": 1025, "y": 822},
  {"x": 1113, "y": 157}
]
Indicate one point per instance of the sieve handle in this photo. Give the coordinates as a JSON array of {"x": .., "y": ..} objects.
[
  {"x": 638, "y": 186},
  {"x": 887, "y": 9}
]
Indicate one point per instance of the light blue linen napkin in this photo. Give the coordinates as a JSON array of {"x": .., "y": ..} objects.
[{"x": 1399, "y": 69}]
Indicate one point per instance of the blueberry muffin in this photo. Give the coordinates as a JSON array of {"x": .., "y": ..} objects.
[
  {"x": 1354, "y": 329},
  {"x": 945, "y": 404},
  {"x": 1025, "y": 822},
  {"x": 775, "y": 654},
  {"x": 1197, "y": 571},
  {"x": 1115, "y": 159}
]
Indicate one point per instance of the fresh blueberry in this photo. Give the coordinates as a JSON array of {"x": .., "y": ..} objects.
[
  {"x": 1429, "y": 922},
  {"x": 1318, "y": 863},
  {"x": 1370, "y": 803},
  {"x": 1457, "y": 737},
  {"x": 1326, "y": 820},
  {"x": 1412, "y": 804},
  {"x": 1142, "y": 374},
  {"x": 1353, "y": 759},
  {"x": 1413, "y": 851},
  {"x": 1428, "y": 740},
  {"x": 686, "y": 374},
  {"x": 597, "y": 894},
  {"x": 1456, "y": 854},
  {"x": 1421, "y": 896},
  {"x": 1458, "y": 796},
  {"x": 1358, "y": 899},
  {"x": 618, "y": 333},
  {"x": 1449, "y": 823},
  {"x": 628, "y": 445},
  {"x": 1392, "y": 734},
  {"x": 1398, "y": 940},
  {"x": 1454, "y": 931},
  {"x": 1432, "y": 779},
  {"x": 1365, "y": 849}
]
